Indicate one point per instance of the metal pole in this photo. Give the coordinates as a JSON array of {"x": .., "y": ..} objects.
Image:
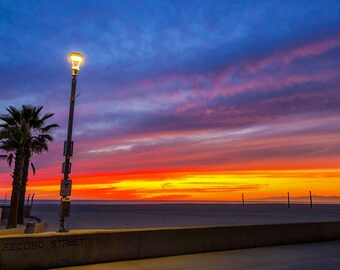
[
  {"x": 68, "y": 148},
  {"x": 288, "y": 201},
  {"x": 310, "y": 199},
  {"x": 242, "y": 199}
]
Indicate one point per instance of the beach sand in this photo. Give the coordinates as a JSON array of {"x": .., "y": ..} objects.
[{"x": 119, "y": 216}]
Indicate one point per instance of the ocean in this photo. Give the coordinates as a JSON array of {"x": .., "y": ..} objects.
[{"x": 121, "y": 215}]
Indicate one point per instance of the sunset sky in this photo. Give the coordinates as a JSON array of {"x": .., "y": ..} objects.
[{"x": 180, "y": 100}]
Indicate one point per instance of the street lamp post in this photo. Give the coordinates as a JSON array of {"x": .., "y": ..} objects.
[{"x": 66, "y": 182}]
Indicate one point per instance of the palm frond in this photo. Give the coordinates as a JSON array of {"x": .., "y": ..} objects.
[
  {"x": 9, "y": 158},
  {"x": 49, "y": 128},
  {"x": 26, "y": 129},
  {"x": 33, "y": 168},
  {"x": 46, "y": 116},
  {"x": 14, "y": 113}
]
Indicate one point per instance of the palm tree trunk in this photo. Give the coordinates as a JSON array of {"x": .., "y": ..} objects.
[
  {"x": 23, "y": 188},
  {"x": 18, "y": 169}
]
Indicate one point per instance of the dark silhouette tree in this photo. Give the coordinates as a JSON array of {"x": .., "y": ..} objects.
[
  {"x": 9, "y": 158},
  {"x": 23, "y": 133}
]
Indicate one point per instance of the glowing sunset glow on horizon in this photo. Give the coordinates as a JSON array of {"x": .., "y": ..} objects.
[
  {"x": 223, "y": 186},
  {"x": 235, "y": 98}
]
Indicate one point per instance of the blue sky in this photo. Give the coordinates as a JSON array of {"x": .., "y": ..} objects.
[{"x": 159, "y": 74}]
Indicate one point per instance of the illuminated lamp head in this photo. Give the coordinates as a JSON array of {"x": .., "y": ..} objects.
[{"x": 76, "y": 60}]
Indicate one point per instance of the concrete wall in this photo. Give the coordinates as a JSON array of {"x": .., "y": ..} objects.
[
  {"x": 47, "y": 250},
  {"x": 19, "y": 230}
]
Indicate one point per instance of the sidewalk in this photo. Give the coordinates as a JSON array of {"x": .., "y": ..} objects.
[{"x": 313, "y": 256}]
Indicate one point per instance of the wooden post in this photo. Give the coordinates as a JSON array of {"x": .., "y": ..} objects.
[
  {"x": 310, "y": 199},
  {"x": 5, "y": 199},
  {"x": 242, "y": 199},
  {"x": 32, "y": 199},
  {"x": 28, "y": 199},
  {"x": 288, "y": 201}
]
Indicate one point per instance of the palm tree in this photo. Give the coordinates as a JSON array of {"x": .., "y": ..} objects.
[
  {"x": 23, "y": 133},
  {"x": 37, "y": 145},
  {"x": 9, "y": 158},
  {"x": 12, "y": 137}
]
